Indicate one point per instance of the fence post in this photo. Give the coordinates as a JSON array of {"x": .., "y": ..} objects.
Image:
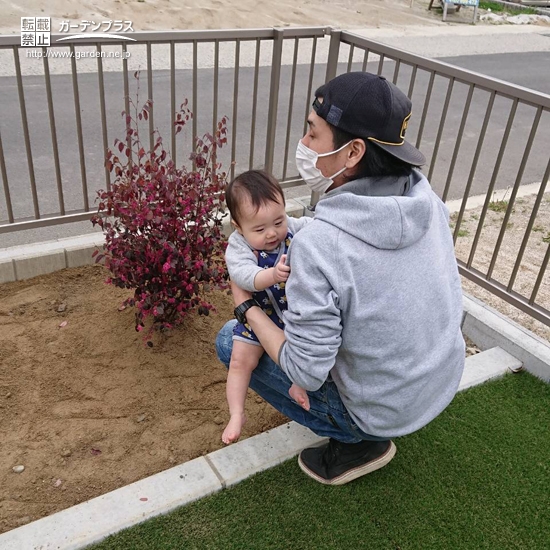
[
  {"x": 333, "y": 52},
  {"x": 332, "y": 66},
  {"x": 278, "y": 36}
]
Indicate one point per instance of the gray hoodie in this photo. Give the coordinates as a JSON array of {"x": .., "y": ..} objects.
[{"x": 374, "y": 301}]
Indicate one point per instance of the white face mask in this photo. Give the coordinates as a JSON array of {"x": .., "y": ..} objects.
[{"x": 306, "y": 162}]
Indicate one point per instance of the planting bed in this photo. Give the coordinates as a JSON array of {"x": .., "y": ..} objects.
[{"x": 87, "y": 407}]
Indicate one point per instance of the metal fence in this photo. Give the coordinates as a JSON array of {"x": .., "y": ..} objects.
[
  {"x": 58, "y": 117},
  {"x": 458, "y": 110},
  {"x": 59, "y": 114}
]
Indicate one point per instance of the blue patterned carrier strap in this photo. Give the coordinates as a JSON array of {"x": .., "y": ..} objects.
[{"x": 272, "y": 299}]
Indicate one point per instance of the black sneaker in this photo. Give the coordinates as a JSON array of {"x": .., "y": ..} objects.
[{"x": 337, "y": 463}]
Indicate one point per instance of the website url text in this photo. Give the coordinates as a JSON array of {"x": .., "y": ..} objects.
[{"x": 39, "y": 54}]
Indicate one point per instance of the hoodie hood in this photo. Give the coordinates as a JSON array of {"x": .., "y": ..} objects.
[{"x": 387, "y": 213}]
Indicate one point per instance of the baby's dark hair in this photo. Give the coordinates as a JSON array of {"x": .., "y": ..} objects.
[{"x": 257, "y": 186}]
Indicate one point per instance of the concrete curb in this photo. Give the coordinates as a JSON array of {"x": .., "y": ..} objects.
[
  {"x": 94, "y": 520},
  {"x": 487, "y": 328},
  {"x": 23, "y": 262},
  {"x": 487, "y": 365}
]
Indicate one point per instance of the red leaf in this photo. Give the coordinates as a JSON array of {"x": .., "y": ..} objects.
[
  {"x": 144, "y": 499},
  {"x": 95, "y": 451},
  {"x": 150, "y": 206}
]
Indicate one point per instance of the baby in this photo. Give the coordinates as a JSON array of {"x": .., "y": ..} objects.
[{"x": 255, "y": 257}]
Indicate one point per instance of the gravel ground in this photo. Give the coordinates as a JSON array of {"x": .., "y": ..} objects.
[{"x": 529, "y": 268}]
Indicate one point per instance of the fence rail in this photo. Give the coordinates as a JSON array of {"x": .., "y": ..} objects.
[
  {"x": 235, "y": 73},
  {"x": 478, "y": 133},
  {"x": 440, "y": 135}
]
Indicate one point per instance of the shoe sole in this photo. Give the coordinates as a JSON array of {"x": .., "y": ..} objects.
[{"x": 354, "y": 473}]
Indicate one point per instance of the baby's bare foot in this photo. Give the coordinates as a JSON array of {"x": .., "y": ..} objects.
[{"x": 233, "y": 429}]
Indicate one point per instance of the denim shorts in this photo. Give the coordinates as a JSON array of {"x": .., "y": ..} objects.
[{"x": 327, "y": 416}]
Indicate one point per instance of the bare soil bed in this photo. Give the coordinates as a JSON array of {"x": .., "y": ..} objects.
[{"x": 87, "y": 407}]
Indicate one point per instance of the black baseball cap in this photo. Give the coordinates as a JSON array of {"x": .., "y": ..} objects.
[{"x": 367, "y": 106}]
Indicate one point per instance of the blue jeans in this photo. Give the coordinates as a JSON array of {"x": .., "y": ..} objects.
[{"x": 327, "y": 416}]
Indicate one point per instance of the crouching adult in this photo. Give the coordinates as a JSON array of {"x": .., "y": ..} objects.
[{"x": 372, "y": 329}]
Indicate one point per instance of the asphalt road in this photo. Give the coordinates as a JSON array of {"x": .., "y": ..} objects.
[{"x": 530, "y": 70}]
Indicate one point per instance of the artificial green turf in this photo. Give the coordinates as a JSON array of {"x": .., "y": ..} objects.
[{"x": 478, "y": 477}]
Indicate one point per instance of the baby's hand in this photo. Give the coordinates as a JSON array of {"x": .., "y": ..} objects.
[
  {"x": 282, "y": 271},
  {"x": 300, "y": 396}
]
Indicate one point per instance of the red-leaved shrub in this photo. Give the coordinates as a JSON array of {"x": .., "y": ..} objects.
[{"x": 162, "y": 224}]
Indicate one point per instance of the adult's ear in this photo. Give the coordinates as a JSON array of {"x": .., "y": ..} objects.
[{"x": 356, "y": 152}]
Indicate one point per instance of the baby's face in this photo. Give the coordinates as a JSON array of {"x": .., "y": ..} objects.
[{"x": 264, "y": 229}]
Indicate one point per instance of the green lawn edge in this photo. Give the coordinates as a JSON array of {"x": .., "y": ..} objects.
[{"x": 477, "y": 477}]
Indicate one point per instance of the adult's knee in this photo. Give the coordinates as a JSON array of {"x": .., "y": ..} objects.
[{"x": 224, "y": 342}]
